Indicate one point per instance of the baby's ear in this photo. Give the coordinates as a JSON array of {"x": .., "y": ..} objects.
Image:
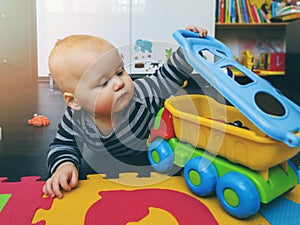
[{"x": 71, "y": 101}]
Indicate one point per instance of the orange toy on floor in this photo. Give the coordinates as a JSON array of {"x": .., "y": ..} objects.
[{"x": 39, "y": 120}]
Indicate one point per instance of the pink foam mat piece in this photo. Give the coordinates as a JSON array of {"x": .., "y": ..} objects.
[
  {"x": 134, "y": 205},
  {"x": 26, "y": 197}
]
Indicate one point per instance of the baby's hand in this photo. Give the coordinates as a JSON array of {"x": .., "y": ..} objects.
[
  {"x": 65, "y": 177},
  {"x": 202, "y": 31}
]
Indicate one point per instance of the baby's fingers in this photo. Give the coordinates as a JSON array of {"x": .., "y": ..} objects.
[
  {"x": 52, "y": 188},
  {"x": 74, "y": 179},
  {"x": 47, "y": 189},
  {"x": 56, "y": 188},
  {"x": 68, "y": 183},
  {"x": 202, "y": 31},
  {"x": 65, "y": 184}
]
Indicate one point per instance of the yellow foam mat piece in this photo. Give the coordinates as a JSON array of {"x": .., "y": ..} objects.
[
  {"x": 156, "y": 216},
  {"x": 72, "y": 208}
]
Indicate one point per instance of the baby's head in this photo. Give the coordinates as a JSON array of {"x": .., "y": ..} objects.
[
  {"x": 90, "y": 72},
  {"x": 72, "y": 56}
]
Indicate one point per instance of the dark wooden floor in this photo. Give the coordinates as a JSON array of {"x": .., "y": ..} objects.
[{"x": 23, "y": 148}]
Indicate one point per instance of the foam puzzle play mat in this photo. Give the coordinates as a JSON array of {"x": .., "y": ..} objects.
[{"x": 130, "y": 200}]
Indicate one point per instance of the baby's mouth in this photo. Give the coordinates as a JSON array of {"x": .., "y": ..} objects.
[{"x": 121, "y": 96}]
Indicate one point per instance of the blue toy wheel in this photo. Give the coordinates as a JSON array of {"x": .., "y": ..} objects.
[
  {"x": 200, "y": 176},
  {"x": 238, "y": 195},
  {"x": 161, "y": 156}
]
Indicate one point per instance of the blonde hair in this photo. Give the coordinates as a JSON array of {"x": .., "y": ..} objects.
[{"x": 66, "y": 60}]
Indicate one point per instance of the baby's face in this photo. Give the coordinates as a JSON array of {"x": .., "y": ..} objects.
[{"x": 105, "y": 87}]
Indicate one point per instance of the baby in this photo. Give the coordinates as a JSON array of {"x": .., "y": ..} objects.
[{"x": 106, "y": 112}]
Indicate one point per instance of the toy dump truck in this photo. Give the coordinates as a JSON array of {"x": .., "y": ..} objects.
[{"x": 238, "y": 151}]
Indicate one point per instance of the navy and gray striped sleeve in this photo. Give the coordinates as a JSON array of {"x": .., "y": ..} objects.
[
  {"x": 166, "y": 81},
  {"x": 64, "y": 147}
]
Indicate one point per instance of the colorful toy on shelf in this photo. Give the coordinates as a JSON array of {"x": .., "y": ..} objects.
[
  {"x": 245, "y": 167},
  {"x": 266, "y": 64},
  {"x": 272, "y": 61},
  {"x": 38, "y": 120},
  {"x": 247, "y": 59}
]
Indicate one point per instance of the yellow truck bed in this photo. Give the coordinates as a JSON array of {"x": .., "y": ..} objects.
[{"x": 203, "y": 122}]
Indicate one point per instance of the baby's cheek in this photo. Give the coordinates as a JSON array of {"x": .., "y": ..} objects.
[{"x": 103, "y": 104}]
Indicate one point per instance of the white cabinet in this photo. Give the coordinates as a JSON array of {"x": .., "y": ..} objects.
[{"x": 122, "y": 22}]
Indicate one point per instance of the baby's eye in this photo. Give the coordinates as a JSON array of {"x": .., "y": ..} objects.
[
  {"x": 103, "y": 84},
  {"x": 120, "y": 73}
]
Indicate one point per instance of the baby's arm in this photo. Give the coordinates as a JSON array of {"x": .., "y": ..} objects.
[
  {"x": 63, "y": 159},
  {"x": 65, "y": 177},
  {"x": 168, "y": 79}
]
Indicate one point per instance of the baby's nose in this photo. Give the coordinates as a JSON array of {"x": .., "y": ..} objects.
[{"x": 118, "y": 83}]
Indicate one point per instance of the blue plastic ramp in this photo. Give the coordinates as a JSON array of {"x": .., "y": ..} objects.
[{"x": 285, "y": 127}]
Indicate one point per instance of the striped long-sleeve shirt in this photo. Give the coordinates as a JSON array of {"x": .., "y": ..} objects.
[{"x": 77, "y": 131}]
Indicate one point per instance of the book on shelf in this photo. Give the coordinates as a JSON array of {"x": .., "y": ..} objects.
[
  {"x": 276, "y": 7},
  {"x": 217, "y": 12},
  {"x": 288, "y": 17},
  {"x": 233, "y": 18},
  {"x": 260, "y": 15},
  {"x": 243, "y": 11},
  {"x": 232, "y": 11},
  {"x": 288, "y": 10},
  {"x": 248, "y": 5},
  {"x": 227, "y": 11},
  {"x": 238, "y": 12},
  {"x": 255, "y": 15},
  {"x": 266, "y": 18},
  {"x": 221, "y": 10},
  {"x": 287, "y": 13}
]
